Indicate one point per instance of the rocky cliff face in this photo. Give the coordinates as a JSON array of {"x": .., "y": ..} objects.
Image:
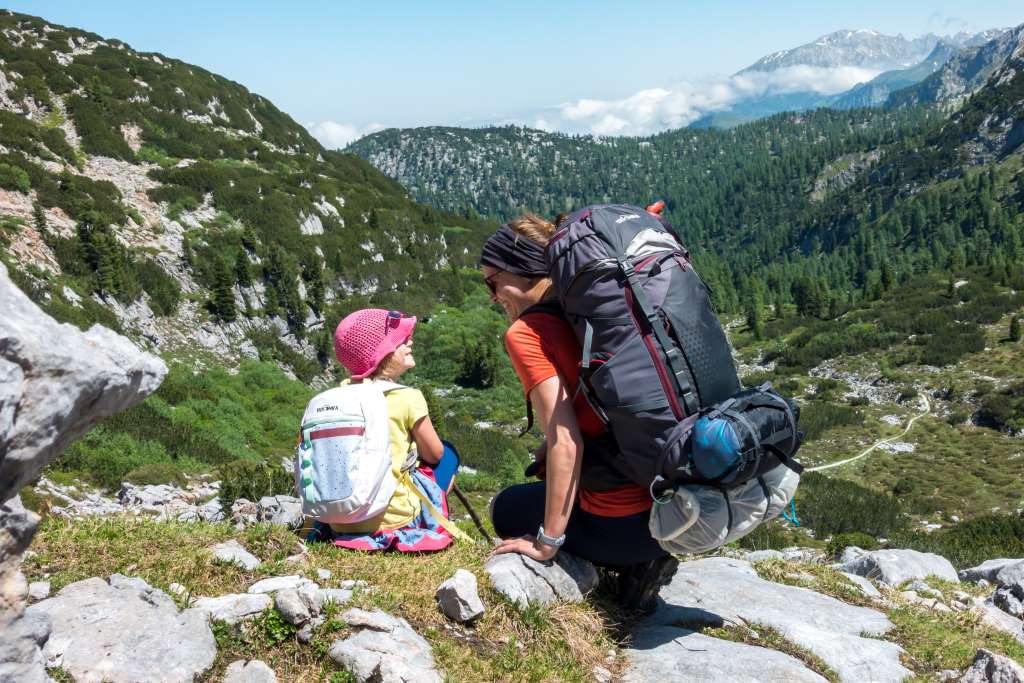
[{"x": 55, "y": 383}]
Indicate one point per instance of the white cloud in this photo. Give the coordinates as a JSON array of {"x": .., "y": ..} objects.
[
  {"x": 656, "y": 109},
  {"x": 334, "y": 135}
]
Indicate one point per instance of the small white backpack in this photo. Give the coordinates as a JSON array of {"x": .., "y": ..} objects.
[{"x": 343, "y": 460}]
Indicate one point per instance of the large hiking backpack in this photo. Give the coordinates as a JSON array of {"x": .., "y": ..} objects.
[
  {"x": 343, "y": 460},
  {"x": 656, "y": 365}
]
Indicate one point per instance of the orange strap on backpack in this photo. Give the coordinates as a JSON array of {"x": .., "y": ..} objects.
[{"x": 657, "y": 207}]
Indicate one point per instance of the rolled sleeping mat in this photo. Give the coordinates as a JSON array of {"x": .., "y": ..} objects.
[{"x": 696, "y": 519}]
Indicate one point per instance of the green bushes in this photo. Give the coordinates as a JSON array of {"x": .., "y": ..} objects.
[
  {"x": 105, "y": 456},
  {"x": 1003, "y": 410},
  {"x": 832, "y": 506},
  {"x": 164, "y": 291},
  {"x": 970, "y": 542},
  {"x": 840, "y": 542},
  {"x": 252, "y": 480},
  {"x": 818, "y": 417},
  {"x": 156, "y": 473}
]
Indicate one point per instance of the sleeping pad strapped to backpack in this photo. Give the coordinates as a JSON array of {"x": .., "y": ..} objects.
[{"x": 657, "y": 368}]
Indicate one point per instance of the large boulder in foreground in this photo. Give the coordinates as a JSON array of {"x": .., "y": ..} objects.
[
  {"x": 526, "y": 581},
  {"x": 989, "y": 667},
  {"x": 717, "y": 591},
  {"x": 893, "y": 567},
  {"x": 667, "y": 653},
  {"x": 124, "y": 631},
  {"x": 55, "y": 383},
  {"x": 988, "y": 569}
]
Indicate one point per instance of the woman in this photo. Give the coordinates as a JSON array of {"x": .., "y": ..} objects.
[{"x": 606, "y": 526}]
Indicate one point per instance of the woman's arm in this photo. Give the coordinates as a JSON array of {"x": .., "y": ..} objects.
[
  {"x": 428, "y": 443},
  {"x": 553, "y": 407}
]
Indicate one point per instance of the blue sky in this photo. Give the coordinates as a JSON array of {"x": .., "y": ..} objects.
[{"x": 356, "y": 65}]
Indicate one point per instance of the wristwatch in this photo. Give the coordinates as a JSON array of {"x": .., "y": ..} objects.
[{"x": 549, "y": 540}]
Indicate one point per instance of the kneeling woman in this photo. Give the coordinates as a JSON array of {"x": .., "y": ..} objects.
[{"x": 606, "y": 524}]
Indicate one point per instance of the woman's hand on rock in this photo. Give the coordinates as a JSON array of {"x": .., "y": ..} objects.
[{"x": 526, "y": 545}]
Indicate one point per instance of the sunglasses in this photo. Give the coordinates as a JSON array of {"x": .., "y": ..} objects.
[{"x": 489, "y": 281}]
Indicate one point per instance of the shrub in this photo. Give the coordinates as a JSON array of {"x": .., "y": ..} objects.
[
  {"x": 164, "y": 291},
  {"x": 970, "y": 542},
  {"x": 156, "y": 473},
  {"x": 840, "y": 542},
  {"x": 253, "y": 479},
  {"x": 818, "y": 417},
  {"x": 105, "y": 457},
  {"x": 776, "y": 534},
  {"x": 833, "y": 506}
]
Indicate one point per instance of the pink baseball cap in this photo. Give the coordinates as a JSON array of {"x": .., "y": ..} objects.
[{"x": 365, "y": 338}]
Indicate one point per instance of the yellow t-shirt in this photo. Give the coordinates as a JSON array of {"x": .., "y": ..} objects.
[{"x": 406, "y": 407}]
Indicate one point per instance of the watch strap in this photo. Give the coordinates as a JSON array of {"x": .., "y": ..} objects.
[{"x": 553, "y": 541}]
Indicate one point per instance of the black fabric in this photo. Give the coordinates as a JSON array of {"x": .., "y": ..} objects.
[
  {"x": 516, "y": 254},
  {"x": 608, "y": 541}
]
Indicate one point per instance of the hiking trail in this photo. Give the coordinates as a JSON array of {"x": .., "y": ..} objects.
[{"x": 866, "y": 451}]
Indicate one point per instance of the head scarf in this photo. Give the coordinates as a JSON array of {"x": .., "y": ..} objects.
[{"x": 514, "y": 253}]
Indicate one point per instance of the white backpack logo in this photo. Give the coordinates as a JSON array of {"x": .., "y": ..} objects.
[{"x": 343, "y": 461}]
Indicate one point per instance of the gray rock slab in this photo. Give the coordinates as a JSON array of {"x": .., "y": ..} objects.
[
  {"x": 233, "y": 608},
  {"x": 762, "y": 555},
  {"x": 997, "y": 619},
  {"x": 385, "y": 649},
  {"x": 865, "y": 586},
  {"x": 292, "y": 608},
  {"x": 893, "y": 567},
  {"x": 323, "y": 574},
  {"x": 667, "y": 653},
  {"x": 253, "y": 671},
  {"x": 39, "y": 590},
  {"x": 1009, "y": 600},
  {"x": 1011, "y": 575},
  {"x": 338, "y": 596},
  {"x": 988, "y": 667},
  {"x": 125, "y": 631},
  {"x": 851, "y": 553},
  {"x": 285, "y": 510},
  {"x": 525, "y": 581},
  {"x": 988, "y": 569},
  {"x": 458, "y": 598},
  {"x": 718, "y": 590},
  {"x": 279, "y": 583},
  {"x": 232, "y": 552}
]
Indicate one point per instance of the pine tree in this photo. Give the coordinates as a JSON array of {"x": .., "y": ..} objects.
[
  {"x": 243, "y": 274},
  {"x": 222, "y": 299},
  {"x": 887, "y": 277},
  {"x": 1015, "y": 328}
]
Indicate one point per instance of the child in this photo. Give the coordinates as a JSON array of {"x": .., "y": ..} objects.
[{"x": 376, "y": 346}]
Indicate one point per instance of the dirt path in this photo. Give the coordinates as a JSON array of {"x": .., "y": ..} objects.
[{"x": 866, "y": 451}]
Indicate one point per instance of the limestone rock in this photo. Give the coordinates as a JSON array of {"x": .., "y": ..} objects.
[
  {"x": 988, "y": 569},
  {"x": 667, "y": 653},
  {"x": 1011, "y": 600},
  {"x": 323, "y": 574},
  {"x": 385, "y": 649},
  {"x": 232, "y": 552},
  {"x": 458, "y": 598},
  {"x": 292, "y": 608},
  {"x": 851, "y": 553},
  {"x": 525, "y": 581},
  {"x": 1011, "y": 575},
  {"x": 762, "y": 555},
  {"x": 989, "y": 667},
  {"x": 997, "y": 619},
  {"x": 39, "y": 590},
  {"x": 59, "y": 391},
  {"x": 338, "y": 596},
  {"x": 124, "y": 630},
  {"x": 233, "y": 608},
  {"x": 719, "y": 590},
  {"x": 865, "y": 586},
  {"x": 286, "y": 510},
  {"x": 893, "y": 567},
  {"x": 279, "y": 583},
  {"x": 253, "y": 671}
]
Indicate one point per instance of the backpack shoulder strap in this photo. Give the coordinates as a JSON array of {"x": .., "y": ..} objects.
[{"x": 549, "y": 306}]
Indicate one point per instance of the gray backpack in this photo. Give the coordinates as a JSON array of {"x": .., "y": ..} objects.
[{"x": 655, "y": 364}]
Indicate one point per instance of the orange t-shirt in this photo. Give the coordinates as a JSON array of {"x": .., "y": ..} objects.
[{"x": 542, "y": 345}]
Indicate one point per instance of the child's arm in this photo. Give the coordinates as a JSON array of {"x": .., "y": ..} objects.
[{"x": 428, "y": 443}]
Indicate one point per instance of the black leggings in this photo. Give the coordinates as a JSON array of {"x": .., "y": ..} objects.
[{"x": 610, "y": 541}]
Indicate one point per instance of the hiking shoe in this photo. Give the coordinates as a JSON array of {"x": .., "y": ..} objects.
[{"x": 640, "y": 583}]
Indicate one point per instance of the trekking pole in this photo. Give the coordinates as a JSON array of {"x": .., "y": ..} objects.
[{"x": 472, "y": 513}]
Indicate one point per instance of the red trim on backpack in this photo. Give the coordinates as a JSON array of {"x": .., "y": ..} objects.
[
  {"x": 337, "y": 431},
  {"x": 666, "y": 385}
]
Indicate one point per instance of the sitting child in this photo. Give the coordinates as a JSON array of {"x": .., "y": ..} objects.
[{"x": 376, "y": 346}]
